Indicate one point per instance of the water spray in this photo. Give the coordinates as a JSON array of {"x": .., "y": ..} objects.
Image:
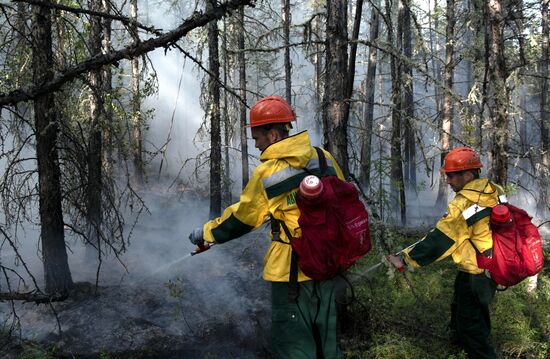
[{"x": 199, "y": 249}]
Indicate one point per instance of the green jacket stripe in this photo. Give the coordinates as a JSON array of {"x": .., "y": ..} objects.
[
  {"x": 473, "y": 217},
  {"x": 431, "y": 248},
  {"x": 229, "y": 229}
]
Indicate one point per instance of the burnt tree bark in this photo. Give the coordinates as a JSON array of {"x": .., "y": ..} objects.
[
  {"x": 57, "y": 275},
  {"x": 214, "y": 115},
  {"x": 334, "y": 102},
  {"x": 369, "y": 99}
]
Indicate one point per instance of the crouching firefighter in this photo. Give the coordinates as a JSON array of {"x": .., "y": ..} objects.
[
  {"x": 303, "y": 320},
  {"x": 465, "y": 224}
]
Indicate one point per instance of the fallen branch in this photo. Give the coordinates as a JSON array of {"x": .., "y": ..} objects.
[{"x": 38, "y": 298}]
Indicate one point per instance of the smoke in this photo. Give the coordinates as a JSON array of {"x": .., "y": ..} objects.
[{"x": 215, "y": 294}]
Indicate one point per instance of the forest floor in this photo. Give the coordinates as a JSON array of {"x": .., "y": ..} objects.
[{"x": 405, "y": 315}]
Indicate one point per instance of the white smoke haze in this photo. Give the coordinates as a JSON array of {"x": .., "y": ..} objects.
[{"x": 215, "y": 294}]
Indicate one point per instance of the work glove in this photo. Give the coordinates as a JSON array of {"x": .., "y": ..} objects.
[
  {"x": 396, "y": 260},
  {"x": 197, "y": 236}
]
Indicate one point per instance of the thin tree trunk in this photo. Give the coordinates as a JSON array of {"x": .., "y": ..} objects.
[
  {"x": 214, "y": 115},
  {"x": 544, "y": 175},
  {"x": 22, "y": 34},
  {"x": 447, "y": 104},
  {"x": 285, "y": 5},
  {"x": 498, "y": 100},
  {"x": 408, "y": 100},
  {"x": 242, "y": 85},
  {"x": 469, "y": 125},
  {"x": 334, "y": 121},
  {"x": 369, "y": 99},
  {"x": 352, "y": 56},
  {"x": 94, "y": 187},
  {"x": 107, "y": 90},
  {"x": 397, "y": 181},
  {"x": 226, "y": 121},
  {"x": 319, "y": 85},
  {"x": 137, "y": 120},
  {"x": 56, "y": 267}
]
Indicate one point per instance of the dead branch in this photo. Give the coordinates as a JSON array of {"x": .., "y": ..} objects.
[
  {"x": 122, "y": 19},
  {"x": 38, "y": 298},
  {"x": 166, "y": 40}
]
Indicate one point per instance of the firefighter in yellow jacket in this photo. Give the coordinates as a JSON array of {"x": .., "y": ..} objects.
[
  {"x": 306, "y": 326},
  {"x": 466, "y": 221}
]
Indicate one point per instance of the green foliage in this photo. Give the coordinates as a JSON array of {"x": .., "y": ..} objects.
[
  {"x": 104, "y": 354},
  {"x": 32, "y": 351},
  {"x": 405, "y": 315},
  {"x": 175, "y": 288}
]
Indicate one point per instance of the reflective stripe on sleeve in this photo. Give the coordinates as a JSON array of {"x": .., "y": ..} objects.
[{"x": 474, "y": 213}]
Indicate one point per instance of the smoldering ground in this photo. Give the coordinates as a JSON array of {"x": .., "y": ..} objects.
[{"x": 213, "y": 304}]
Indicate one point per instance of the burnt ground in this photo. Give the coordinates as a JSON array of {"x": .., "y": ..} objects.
[{"x": 212, "y": 305}]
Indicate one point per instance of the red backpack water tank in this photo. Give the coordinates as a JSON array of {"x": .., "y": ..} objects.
[
  {"x": 517, "y": 246},
  {"x": 334, "y": 225}
]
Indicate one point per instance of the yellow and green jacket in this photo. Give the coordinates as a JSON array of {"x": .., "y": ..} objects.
[
  {"x": 467, "y": 218},
  {"x": 272, "y": 190}
]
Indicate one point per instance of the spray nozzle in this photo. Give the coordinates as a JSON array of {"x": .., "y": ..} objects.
[{"x": 202, "y": 247}]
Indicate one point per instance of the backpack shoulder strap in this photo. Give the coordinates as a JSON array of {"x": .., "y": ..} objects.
[
  {"x": 323, "y": 165},
  {"x": 293, "y": 275}
]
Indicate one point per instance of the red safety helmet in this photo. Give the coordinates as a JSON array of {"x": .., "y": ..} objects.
[
  {"x": 461, "y": 159},
  {"x": 271, "y": 109}
]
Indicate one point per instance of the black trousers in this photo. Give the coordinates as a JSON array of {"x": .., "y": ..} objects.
[{"x": 470, "y": 318}]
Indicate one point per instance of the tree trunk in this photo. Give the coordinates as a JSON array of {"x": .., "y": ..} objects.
[
  {"x": 242, "y": 85},
  {"x": 319, "y": 84},
  {"x": 226, "y": 195},
  {"x": 137, "y": 120},
  {"x": 499, "y": 97},
  {"x": 470, "y": 121},
  {"x": 369, "y": 99},
  {"x": 334, "y": 103},
  {"x": 397, "y": 180},
  {"x": 285, "y": 7},
  {"x": 544, "y": 175},
  {"x": 408, "y": 100},
  {"x": 352, "y": 56},
  {"x": 108, "y": 147},
  {"x": 94, "y": 187},
  {"x": 447, "y": 103},
  {"x": 57, "y": 275},
  {"x": 214, "y": 115}
]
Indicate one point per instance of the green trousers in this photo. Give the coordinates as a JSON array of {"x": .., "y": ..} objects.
[
  {"x": 306, "y": 328},
  {"x": 470, "y": 318}
]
